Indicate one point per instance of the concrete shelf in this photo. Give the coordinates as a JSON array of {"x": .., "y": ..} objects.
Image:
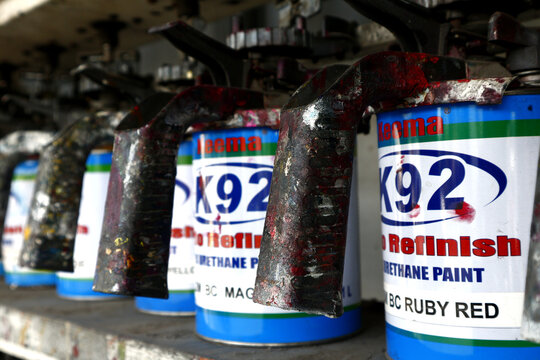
[{"x": 36, "y": 324}]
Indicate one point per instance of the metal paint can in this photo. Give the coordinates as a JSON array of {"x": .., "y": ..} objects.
[
  {"x": 78, "y": 284},
  {"x": 180, "y": 277},
  {"x": 457, "y": 187},
  {"x": 22, "y": 188},
  {"x": 232, "y": 170}
]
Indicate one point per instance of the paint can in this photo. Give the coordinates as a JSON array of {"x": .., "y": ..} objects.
[
  {"x": 457, "y": 188},
  {"x": 78, "y": 284},
  {"x": 232, "y": 171},
  {"x": 180, "y": 277},
  {"x": 22, "y": 188}
]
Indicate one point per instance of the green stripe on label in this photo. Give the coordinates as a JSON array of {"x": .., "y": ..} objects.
[
  {"x": 184, "y": 160},
  {"x": 475, "y": 130},
  {"x": 467, "y": 342},
  {"x": 274, "y": 316},
  {"x": 98, "y": 168},
  {"x": 266, "y": 149},
  {"x": 24, "y": 177},
  {"x": 75, "y": 279},
  {"x": 181, "y": 291},
  {"x": 30, "y": 272}
]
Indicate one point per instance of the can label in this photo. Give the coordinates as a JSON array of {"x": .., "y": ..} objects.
[
  {"x": 20, "y": 198},
  {"x": 180, "y": 277},
  {"x": 457, "y": 188},
  {"x": 89, "y": 223},
  {"x": 233, "y": 170}
]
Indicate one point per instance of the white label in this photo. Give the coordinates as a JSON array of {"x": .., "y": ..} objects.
[
  {"x": 16, "y": 216},
  {"x": 230, "y": 207},
  {"x": 456, "y": 227},
  {"x": 89, "y": 223},
  {"x": 182, "y": 257}
]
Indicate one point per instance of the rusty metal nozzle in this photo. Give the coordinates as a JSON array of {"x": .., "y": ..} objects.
[{"x": 134, "y": 247}]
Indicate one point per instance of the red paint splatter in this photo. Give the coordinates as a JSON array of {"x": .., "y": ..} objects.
[
  {"x": 415, "y": 212},
  {"x": 465, "y": 212},
  {"x": 217, "y": 220},
  {"x": 537, "y": 210}
]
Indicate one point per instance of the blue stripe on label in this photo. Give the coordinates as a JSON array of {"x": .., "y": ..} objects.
[
  {"x": 28, "y": 167},
  {"x": 176, "y": 303},
  {"x": 31, "y": 279},
  {"x": 221, "y": 327},
  {"x": 401, "y": 347},
  {"x": 185, "y": 148},
  {"x": 518, "y": 106},
  {"x": 219, "y": 222},
  {"x": 99, "y": 159},
  {"x": 78, "y": 288}
]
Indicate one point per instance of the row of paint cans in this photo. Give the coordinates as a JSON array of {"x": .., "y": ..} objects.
[
  {"x": 233, "y": 170},
  {"x": 20, "y": 197},
  {"x": 180, "y": 277},
  {"x": 457, "y": 190},
  {"x": 219, "y": 209},
  {"x": 78, "y": 284}
]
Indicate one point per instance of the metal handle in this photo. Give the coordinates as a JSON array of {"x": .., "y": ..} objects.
[
  {"x": 413, "y": 26},
  {"x": 523, "y": 43},
  {"x": 136, "y": 89},
  {"x": 134, "y": 247},
  {"x": 225, "y": 64}
]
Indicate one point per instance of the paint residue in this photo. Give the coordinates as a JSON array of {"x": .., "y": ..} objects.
[
  {"x": 415, "y": 212},
  {"x": 465, "y": 212}
]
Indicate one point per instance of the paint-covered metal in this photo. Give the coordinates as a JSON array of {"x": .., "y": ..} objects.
[
  {"x": 530, "y": 326},
  {"x": 134, "y": 247},
  {"x": 301, "y": 259},
  {"x": 52, "y": 223}
]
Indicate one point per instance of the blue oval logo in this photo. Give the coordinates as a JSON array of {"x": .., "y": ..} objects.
[
  {"x": 237, "y": 197},
  {"x": 434, "y": 186}
]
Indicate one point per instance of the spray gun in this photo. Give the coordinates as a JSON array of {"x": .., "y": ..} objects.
[
  {"x": 133, "y": 253},
  {"x": 368, "y": 88},
  {"x": 138, "y": 210}
]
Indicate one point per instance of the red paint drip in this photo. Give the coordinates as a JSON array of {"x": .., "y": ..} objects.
[
  {"x": 466, "y": 212},
  {"x": 75, "y": 351},
  {"x": 537, "y": 210},
  {"x": 415, "y": 212},
  {"x": 217, "y": 219}
]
